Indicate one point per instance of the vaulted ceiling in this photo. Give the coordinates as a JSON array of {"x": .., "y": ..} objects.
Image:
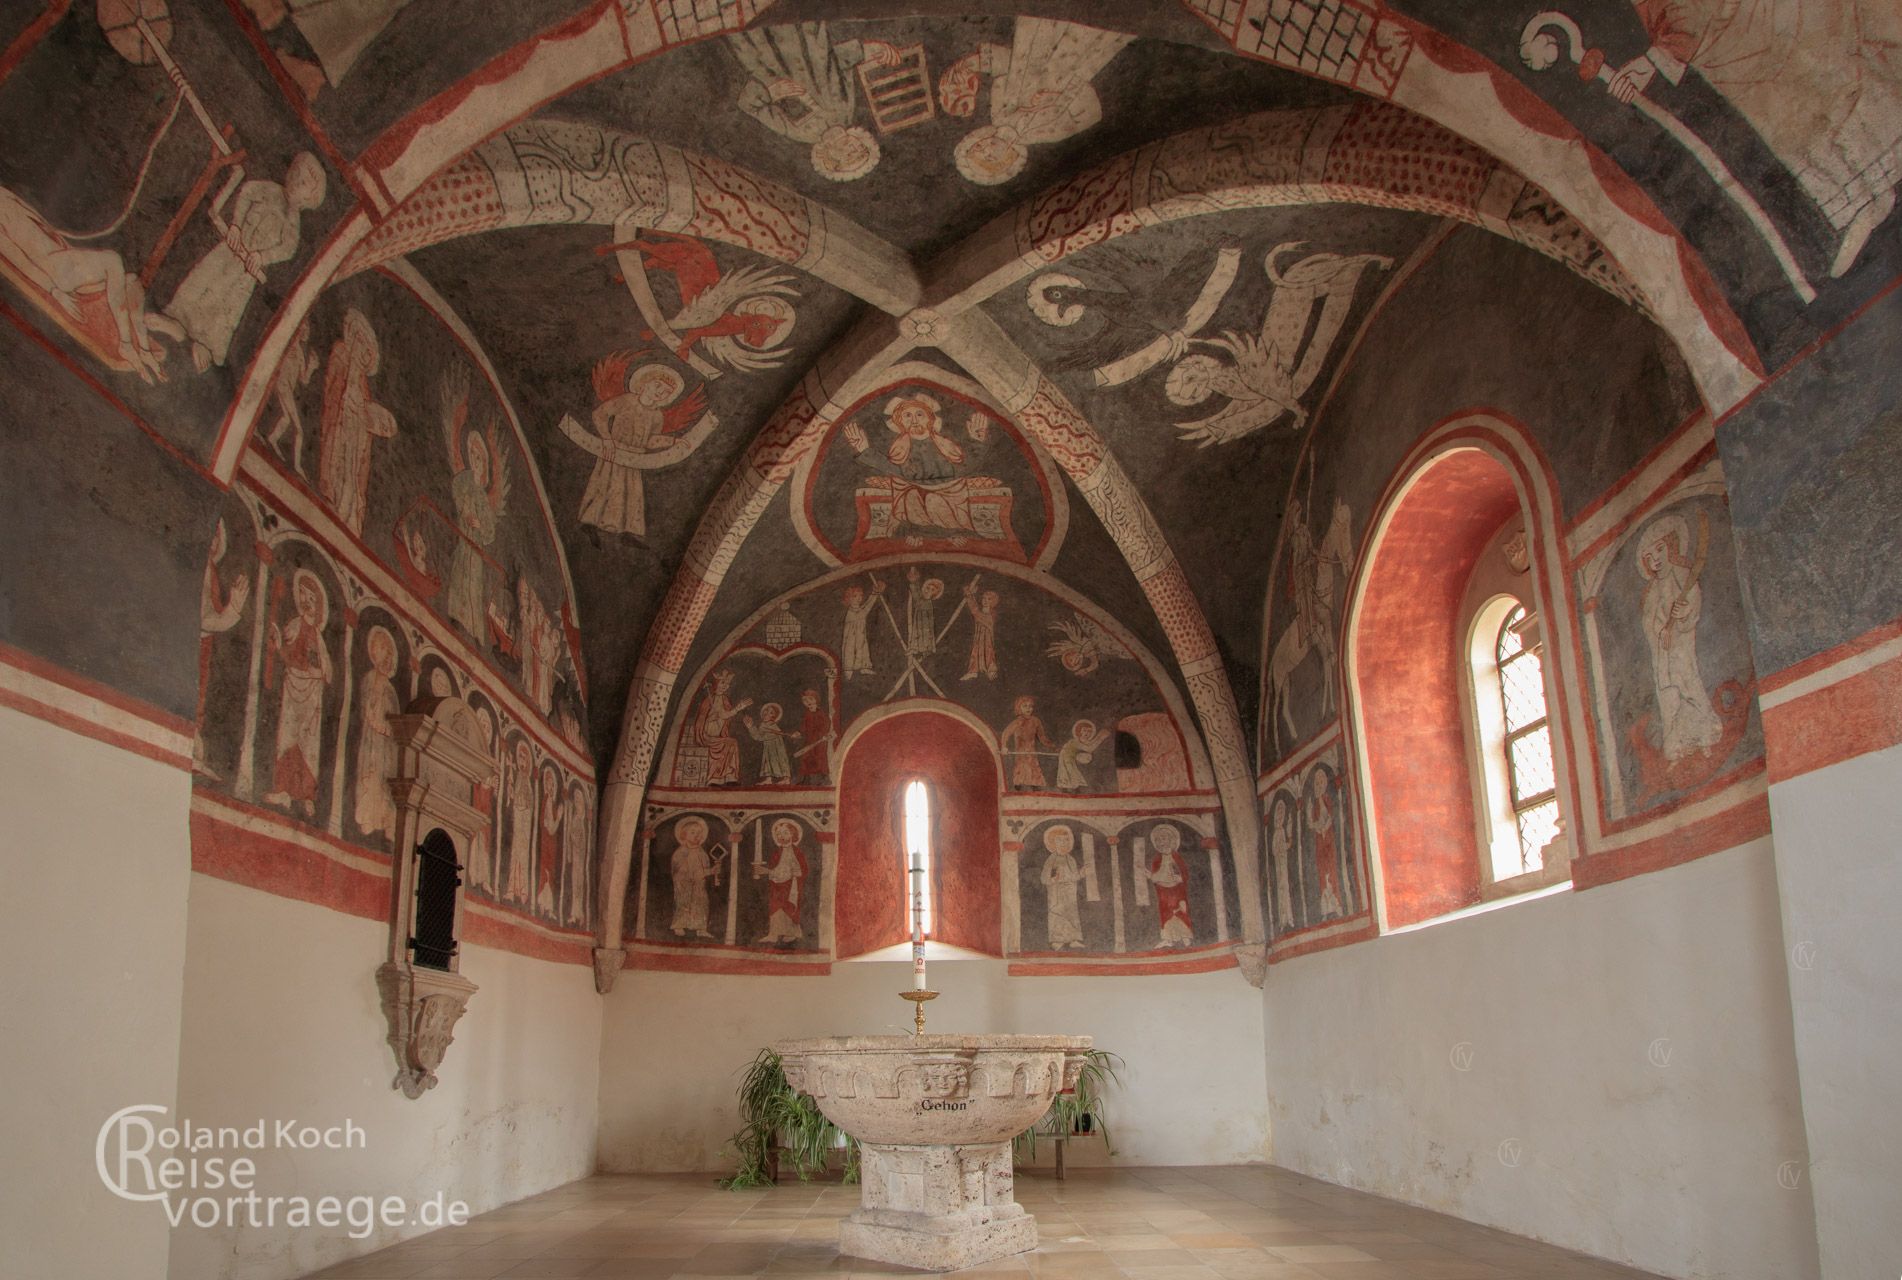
[{"x": 1154, "y": 241}]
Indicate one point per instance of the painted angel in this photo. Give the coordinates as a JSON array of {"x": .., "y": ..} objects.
[
  {"x": 738, "y": 319},
  {"x": 641, "y": 423},
  {"x": 1040, "y": 92},
  {"x": 479, "y": 491},
  {"x": 801, "y": 86},
  {"x": 1266, "y": 375}
]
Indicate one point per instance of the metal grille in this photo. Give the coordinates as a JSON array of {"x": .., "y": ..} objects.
[{"x": 433, "y": 943}]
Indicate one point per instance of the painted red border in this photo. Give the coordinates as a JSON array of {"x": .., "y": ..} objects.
[
  {"x": 1854, "y": 716},
  {"x": 287, "y": 869},
  {"x": 1160, "y": 969},
  {"x": 73, "y": 722},
  {"x": 1734, "y": 826},
  {"x": 734, "y": 966},
  {"x": 1365, "y": 934}
]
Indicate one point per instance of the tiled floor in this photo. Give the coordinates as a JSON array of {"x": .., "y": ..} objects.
[{"x": 1152, "y": 1224}]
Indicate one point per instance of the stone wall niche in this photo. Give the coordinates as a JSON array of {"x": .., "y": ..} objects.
[{"x": 440, "y": 761}]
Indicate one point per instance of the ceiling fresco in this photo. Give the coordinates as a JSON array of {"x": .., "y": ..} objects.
[
  {"x": 923, "y": 129},
  {"x": 972, "y": 280}
]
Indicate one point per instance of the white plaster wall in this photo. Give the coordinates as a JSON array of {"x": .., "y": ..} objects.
[
  {"x": 1631, "y": 1089},
  {"x": 674, "y": 1046},
  {"x": 281, "y": 1021},
  {"x": 1839, "y": 860},
  {"x": 96, "y": 855}
]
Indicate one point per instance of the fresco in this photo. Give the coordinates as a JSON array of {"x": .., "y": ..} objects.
[
  {"x": 731, "y": 880},
  {"x": 304, "y": 664},
  {"x": 157, "y": 200},
  {"x": 1592, "y": 443},
  {"x": 929, "y": 464},
  {"x": 387, "y": 542},
  {"x": 1071, "y": 706},
  {"x": 852, "y": 111},
  {"x": 631, "y": 441},
  {"x": 1670, "y": 663},
  {"x": 1316, "y": 870},
  {"x": 1202, "y": 349},
  {"x": 1779, "y": 123},
  {"x": 387, "y": 422},
  {"x": 1112, "y": 887},
  {"x": 1042, "y": 709}
]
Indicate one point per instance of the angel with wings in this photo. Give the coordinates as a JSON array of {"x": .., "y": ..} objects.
[
  {"x": 480, "y": 492},
  {"x": 1265, "y": 376},
  {"x": 738, "y": 319},
  {"x": 641, "y": 423}
]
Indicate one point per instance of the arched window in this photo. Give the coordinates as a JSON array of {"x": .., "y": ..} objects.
[
  {"x": 917, "y": 846},
  {"x": 1513, "y": 728},
  {"x": 433, "y": 943},
  {"x": 1463, "y": 751}
]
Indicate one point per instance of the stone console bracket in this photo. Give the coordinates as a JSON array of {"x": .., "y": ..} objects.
[{"x": 422, "y": 1007}]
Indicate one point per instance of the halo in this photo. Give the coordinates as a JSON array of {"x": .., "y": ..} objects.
[
  {"x": 649, "y": 372},
  {"x": 824, "y": 154},
  {"x": 897, "y": 404},
  {"x": 982, "y": 172},
  {"x": 1156, "y": 840},
  {"x": 298, "y": 580},
  {"x": 1675, "y": 525},
  {"x": 370, "y": 642}
]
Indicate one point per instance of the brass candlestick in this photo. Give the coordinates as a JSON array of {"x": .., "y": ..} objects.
[{"x": 918, "y": 999}]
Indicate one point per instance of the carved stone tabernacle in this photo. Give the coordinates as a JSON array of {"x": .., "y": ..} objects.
[{"x": 440, "y": 761}]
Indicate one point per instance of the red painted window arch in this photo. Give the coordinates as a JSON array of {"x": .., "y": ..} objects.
[
  {"x": 960, "y": 768},
  {"x": 1407, "y": 646}
]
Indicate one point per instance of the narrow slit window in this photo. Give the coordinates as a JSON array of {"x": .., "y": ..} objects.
[{"x": 918, "y": 856}]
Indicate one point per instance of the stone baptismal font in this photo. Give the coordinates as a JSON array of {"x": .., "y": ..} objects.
[{"x": 934, "y": 1116}]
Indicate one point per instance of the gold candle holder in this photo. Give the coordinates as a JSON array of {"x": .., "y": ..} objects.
[{"x": 918, "y": 999}]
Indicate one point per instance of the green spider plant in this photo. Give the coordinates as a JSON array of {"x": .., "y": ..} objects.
[{"x": 773, "y": 1114}]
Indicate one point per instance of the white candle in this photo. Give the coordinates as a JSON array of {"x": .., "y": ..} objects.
[{"x": 917, "y": 929}]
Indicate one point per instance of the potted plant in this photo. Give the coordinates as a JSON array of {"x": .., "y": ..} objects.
[
  {"x": 777, "y": 1122},
  {"x": 1080, "y": 1110}
]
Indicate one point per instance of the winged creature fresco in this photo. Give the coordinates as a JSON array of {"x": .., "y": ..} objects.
[
  {"x": 735, "y": 319},
  {"x": 1150, "y": 325},
  {"x": 644, "y": 419},
  {"x": 479, "y": 492},
  {"x": 1266, "y": 374},
  {"x": 1261, "y": 376},
  {"x": 1083, "y": 645}
]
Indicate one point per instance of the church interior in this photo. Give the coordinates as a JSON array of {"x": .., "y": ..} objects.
[{"x": 1343, "y": 550}]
